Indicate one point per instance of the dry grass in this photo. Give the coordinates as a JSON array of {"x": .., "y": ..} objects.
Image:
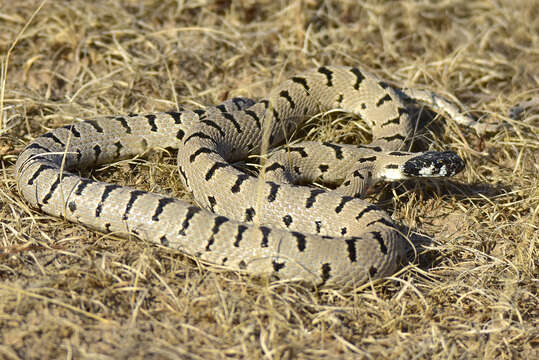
[{"x": 69, "y": 292}]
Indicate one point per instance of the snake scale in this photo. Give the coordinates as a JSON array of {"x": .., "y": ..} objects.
[{"x": 272, "y": 224}]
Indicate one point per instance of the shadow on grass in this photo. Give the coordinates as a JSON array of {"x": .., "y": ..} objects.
[{"x": 422, "y": 246}]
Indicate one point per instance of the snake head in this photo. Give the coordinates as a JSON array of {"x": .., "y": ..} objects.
[{"x": 434, "y": 164}]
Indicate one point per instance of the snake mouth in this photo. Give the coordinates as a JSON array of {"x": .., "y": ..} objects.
[{"x": 434, "y": 164}]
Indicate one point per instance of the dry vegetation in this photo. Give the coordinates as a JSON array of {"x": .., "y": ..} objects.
[{"x": 471, "y": 293}]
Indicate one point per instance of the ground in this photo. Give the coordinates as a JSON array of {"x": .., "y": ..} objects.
[{"x": 471, "y": 291}]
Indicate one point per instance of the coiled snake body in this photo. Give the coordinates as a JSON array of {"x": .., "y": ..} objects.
[{"x": 267, "y": 226}]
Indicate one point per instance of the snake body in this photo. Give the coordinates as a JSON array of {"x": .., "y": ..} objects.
[{"x": 266, "y": 225}]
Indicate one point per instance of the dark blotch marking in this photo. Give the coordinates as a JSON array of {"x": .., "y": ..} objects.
[
  {"x": 72, "y": 206},
  {"x": 219, "y": 220},
  {"x": 36, "y": 146},
  {"x": 323, "y": 168},
  {"x": 241, "y": 103},
  {"x": 265, "y": 234},
  {"x": 254, "y": 116},
  {"x": 200, "y": 112},
  {"x": 151, "y": 122},
  {"x": 367, "y": 209},
  {"x": 372, "y": 271},
  {"x": 134, "y": 195},
  {"x": 164, "y": 241},
  {"x": 359, "y": 77},
  {"x": 38, "y": 172},
  {"x": 393, "y": 137},
  {"x": 286, "y": 95},
  {"x": 287, "y": 219},
  {"x": 97, "y": 151},
  {"x": 303, "y": 82},
  {"x": 382, "y": 221},
  {"x": 383, "y": 100},
  {"x": 318, "y": 224},
  {"x": 73, "y": 129},
  {"x": 274, "y": 189},
  {"x": 239, "y": 235},
  {"x": 275, "y": 166},
  {"x": 191, "y": 212},
  {"x": 301, "y": 242},
  {"x": 214, "y": 125},
  {"x": 378, "y": 236},
  {"x": 234, "y": 122},
  {"x": 176, "y": 116},
  {"x": 358, "y": 174},
  {"x": 215, "y": 167},
  {"x": 95, "y": 125},
  {"x": 352, "y": 254},
  {"x": 326, "y": 272},
  {"x": 82, "y": 185},
  {"x": 180, "y": 134},
  {"x": 200, "y": 135},
  {"x": 329, "y": 75},
  {"x": 119, "y": 147},
  {"x": 298, "y": 149},
  {"x": 403, "y": 110},
  {"x": 395, "y": 121},
  {"x": 312, "y": 198},
  {"x": 392, "y": 166},
  {"x": 237, "y": 185},
  {"x": 337, "y": 148},
  {"x": 344, "y": 231},
  {"x": 160, "y": 207},
  {"x": 344, "y": 200},
  {"x": 367, "y": 159},
  {"x": 249, "y": 214},
  {"x": 106, "y": 193},
  {"x": 124, "y": 124},
  {"x": 51, "y": 190},
  {"x": 199, "y": 151},
  {"x": 277, "y": 266},
  {"x": 50, "y": 135},
  {"x": 212, "y": 202}
]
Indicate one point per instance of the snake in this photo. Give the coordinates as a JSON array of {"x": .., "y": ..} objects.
[{"x": 276, "y": 224}]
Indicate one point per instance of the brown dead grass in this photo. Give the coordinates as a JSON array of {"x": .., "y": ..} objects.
[{"x": 67, "y": 292}]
